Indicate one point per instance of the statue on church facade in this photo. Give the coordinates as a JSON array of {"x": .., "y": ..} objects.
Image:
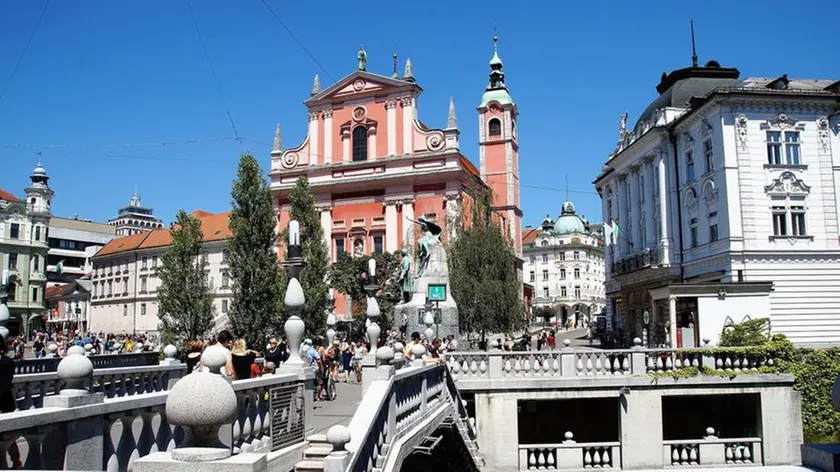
[
  {"x": 362, "y": 58},
  {"x": 431, "y": 236}
]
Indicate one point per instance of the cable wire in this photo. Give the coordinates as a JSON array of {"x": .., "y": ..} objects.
[
  {"x": 215, "y": 76},
  {"x": 288, "y": 30},
  {"x": 25, "y": 50}
]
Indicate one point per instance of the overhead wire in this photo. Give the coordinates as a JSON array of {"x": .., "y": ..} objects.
[
  {"x": 25, "y": 50},
  {"x": 298, "y": 41},
  {"x": 215, "y": 76}
]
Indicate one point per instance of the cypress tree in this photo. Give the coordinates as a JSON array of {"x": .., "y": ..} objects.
[
  {"x": 255, "y": 309},
  {"x": 185, "y": 301}
]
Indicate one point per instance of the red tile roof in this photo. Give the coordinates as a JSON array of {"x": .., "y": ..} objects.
[
  {"x": 215, "y": 227},
  {"x": 530, "y": 235},
  {"x": 56, "y": 290},
  {"x": 6, "y": 195}
]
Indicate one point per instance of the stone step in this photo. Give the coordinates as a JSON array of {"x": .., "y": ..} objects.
[
  {"x": 318, "y": 440},
  {"x": 316, "y": 452},
  {"x": 309, "y": 466}
]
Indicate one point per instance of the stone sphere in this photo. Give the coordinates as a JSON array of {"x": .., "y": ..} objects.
[
  {"x": 201, "y": 399},
  {"x": 384, "y": 354},
  {"x": 338, "y": 436},
  {"x": 418, "y": 350},
  {"x": 494, "y": 344},
  {"x": 637, "y": 341},
  {"x": 398, "y": 346},
  {"x": 169, "y": 351},
  {"x": 569, "y": 436},
  {"x": 52, "y": 348},
  {"x": 214, "y": 358},
  {"x": 88, "y": 347},
  {"x": 75, "y": 350},
  {"x": 75, "y": 366},
  {"x": 429, "y": 333},
  {"x": 567, "y": 342},
  {"x": 710, "y": 431}
]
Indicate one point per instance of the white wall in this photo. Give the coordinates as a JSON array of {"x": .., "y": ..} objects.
[{"x": 713, "y": 311}]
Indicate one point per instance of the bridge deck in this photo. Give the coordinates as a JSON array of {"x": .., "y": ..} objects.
[{"x": 338, "y": 411}]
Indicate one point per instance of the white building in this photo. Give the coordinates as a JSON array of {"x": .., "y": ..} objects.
[
  {"x": 724, "y": 198},
  {"x": 135, "y": 218},
  {"x": 23, "y": 251},
  {"x": 73, "y": 243},
  {"x": 124, "y": 283},
  {"x": 564, "y": 262}
]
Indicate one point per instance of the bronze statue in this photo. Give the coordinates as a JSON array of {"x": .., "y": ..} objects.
[
  {"x": 431, "y": 236},
  {"x": 406, "y": 280}
]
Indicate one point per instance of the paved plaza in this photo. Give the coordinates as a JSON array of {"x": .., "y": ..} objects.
[{"x": 340, "y": 410}]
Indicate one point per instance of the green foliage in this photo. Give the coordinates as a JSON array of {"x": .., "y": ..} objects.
[
  {"x": 185, "y": 302},
  {"x": 315, "y": 253},
  {"x": 752, "y": 332},
  {"x": 255, "y": 310},
  {"x": 348, "y": 275},
  {"x": 482, "y": 271}
]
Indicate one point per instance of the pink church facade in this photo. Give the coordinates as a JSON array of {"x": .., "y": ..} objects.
[{"x": 373, "y": 165}]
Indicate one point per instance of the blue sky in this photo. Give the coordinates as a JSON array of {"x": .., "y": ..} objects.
[{"x": 101, "y": 79}]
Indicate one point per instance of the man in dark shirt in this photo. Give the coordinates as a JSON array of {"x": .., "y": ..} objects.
[{"x": 275, "y": 353}]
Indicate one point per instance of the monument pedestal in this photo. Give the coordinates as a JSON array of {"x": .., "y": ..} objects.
[{"x": 436, "y": 273}]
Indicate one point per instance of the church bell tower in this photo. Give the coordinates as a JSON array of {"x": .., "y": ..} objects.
[{"x": 499, "y": 148}]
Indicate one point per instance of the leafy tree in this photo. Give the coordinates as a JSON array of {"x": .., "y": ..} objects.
[
  {"x": 316, "y": 254},
  {"x": 482, "y": 271},
  {"x": 753, "y": 332},
  {"x": 184, "y": 298},
  {"x": 255, "y": 310},
  {"x": 348, "y": 275}
]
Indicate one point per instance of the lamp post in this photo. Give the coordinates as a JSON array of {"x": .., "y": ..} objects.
[
  {"x": 372, "y": 311},
  {"x": 294, "y": 298},
  {"x": 294, "y": 262}
]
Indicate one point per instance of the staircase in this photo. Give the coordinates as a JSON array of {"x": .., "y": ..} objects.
[
  {"x": 472, "y": 446},
  {"x": 313, "y": 456}
]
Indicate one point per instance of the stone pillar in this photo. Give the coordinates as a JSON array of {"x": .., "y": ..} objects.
[
  {"x": 650, "y": 228},
  {"x": 345, "y": 145},
  {"x": 641, "y": 447},
  {"x": 672, "y": 320},
  {"x": 326, "y": 226},
  {"x": 371, "y": 141},
  {"x": 497, "y": 417},
  {"x": 391, "y": 110},
  {"x": 314, "y": 152},
  {"x": 408, "y": 125},
  {"x": 294, "y": 325},
  {"x": 452, "y": 203},
  {"x": 338, "y": 459},
  {"x": 408, "y": 214},
  {"x": 621, "y": 217},
  {"x": 606, "y": 211},
  {"x": 635, "y": 212},
  {"x": 328, "y": 136},
  {"x": 665, "y": 241},
  {"x": 392, "y": 235}
]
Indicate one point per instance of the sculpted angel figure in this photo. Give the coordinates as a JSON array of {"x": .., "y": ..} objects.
[{"x": 431, "y": 236}]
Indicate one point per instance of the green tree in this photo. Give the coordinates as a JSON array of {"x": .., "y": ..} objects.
[
  {"x": 483, "y": 275},
  {"x": 754, "y": 332},
  {"x": 185, "y": 301},
  {"x": 255, "y": 310},
  {"x": 315, "y": 253},
  {"x": 348, "y": 275}
]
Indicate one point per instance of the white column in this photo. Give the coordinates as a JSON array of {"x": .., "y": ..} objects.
[
  {"x": 326, "y": 225},
  {"x": 408, "y": 125},
  {"x": 345, "y": 145},
  {"x": 314, "y": 154},
  {"x": 635, "y": 207},
  {"x": 278, "y": 230},
  {"x": 650, "y": 228},
  {"x": 392, "y": 237},
  {"x": 328, "y": 137},
  {"x": 452, "y": 203},
  {"x": 672, "y": 316},
  {"x": 605, "y": 211},
  {"x": 622, "y": 217},
  {"x": 391, "y": 107},
  {"x": 372, "y": 141},
  {"x": 664, "y": 243},
  {"x": 408, "y": 226}
]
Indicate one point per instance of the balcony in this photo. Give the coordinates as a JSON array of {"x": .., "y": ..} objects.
[{"x": 645, "y": 259}]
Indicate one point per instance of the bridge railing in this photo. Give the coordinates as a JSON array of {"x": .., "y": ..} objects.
[
  {"x": 568, "y": 362},
  {"x": 103, "y": 361},
  {"x": 29, "y": 390},
  {"x": 113, "y": 434}
]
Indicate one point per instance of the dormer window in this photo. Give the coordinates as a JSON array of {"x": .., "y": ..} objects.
[
  {"x": 360, "y": 144},
  {"x": 495, "y": 128}
]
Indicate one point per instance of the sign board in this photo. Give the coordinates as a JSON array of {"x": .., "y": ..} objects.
[
  {"x": 436, "y": 293},
  {"x": 646, "y": 317}
]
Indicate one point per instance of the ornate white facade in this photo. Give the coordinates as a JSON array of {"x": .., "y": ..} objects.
[
  {"x": 135, "y": 218},
  {"x": 722, "y": 205},
  {"x": 564, "y": 262}
]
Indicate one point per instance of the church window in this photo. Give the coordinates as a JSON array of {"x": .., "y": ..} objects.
[
  {"x": 339, "y": 246},
  {"x": 360, "y": 144},
  {"x": 495, "y": 127},
  {"x": 377, "y": 245}
]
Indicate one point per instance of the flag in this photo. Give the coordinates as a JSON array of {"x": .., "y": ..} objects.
[{"x": 59, "y": 268}]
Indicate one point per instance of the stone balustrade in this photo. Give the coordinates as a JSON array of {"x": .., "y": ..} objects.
[
  {"x": 30, "y": 390},
  {"x": 570, "y": 455},
  {"x": 104, "y": 361},
  {"x": 113, "y": 434},
  {"x": 712, "y": 451},
  {"x": 571, "y": 363}
]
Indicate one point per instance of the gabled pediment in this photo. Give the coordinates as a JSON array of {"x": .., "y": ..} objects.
[
  {"x": 362, "y": 83},
  {"x": 787, "y": 184}
]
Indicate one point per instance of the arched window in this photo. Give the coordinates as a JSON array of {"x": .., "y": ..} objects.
[
  {"x": 360, "y": 146},
  {"x": 495, "y": 127}
]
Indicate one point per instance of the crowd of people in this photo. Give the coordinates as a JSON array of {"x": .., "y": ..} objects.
[{"x": 101, "y": 343}]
